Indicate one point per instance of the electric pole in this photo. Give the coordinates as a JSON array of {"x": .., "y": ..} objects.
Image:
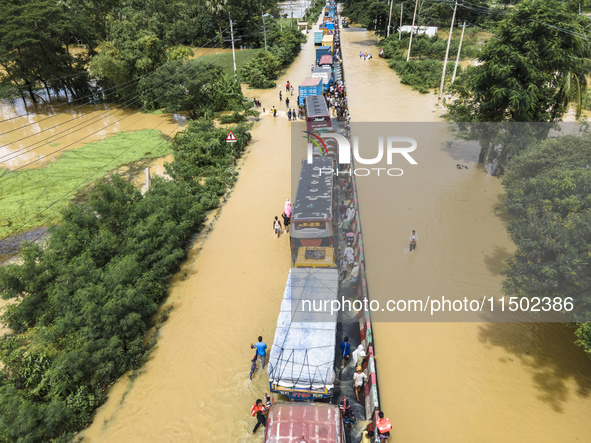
[
  {"x": 458, "y": 57},
  {"x": 412, "y": 29},
  {"x": 453, "y": 17},
  {"x": 232, "y": 37},
  {"x": 265, "y": 31},
  {"x": 390, "y": 18},
  {"x": 400, "y": 27}
]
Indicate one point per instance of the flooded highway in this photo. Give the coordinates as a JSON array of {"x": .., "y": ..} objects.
[{"x": 439, "y": 382}]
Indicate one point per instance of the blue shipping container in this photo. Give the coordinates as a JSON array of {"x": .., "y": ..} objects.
[
  {"x": 310, "y": 86},
  {"x": 322, "y": 50}
]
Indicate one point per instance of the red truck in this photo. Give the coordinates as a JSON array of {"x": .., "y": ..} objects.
[{"x": 304, "y": 423}]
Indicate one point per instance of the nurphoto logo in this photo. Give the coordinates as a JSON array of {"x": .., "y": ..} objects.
[{"x": 317, "y": 146}]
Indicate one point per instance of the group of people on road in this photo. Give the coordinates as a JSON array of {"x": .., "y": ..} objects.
[
  {"x": 336, "y": 101},
  {"x": 365, "y": 56}
]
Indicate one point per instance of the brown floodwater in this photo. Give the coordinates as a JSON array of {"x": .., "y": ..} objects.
[{"x": 454, "y": 382}]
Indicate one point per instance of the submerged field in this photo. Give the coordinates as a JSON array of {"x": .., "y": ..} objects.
[{"x": 35, "y": 197}]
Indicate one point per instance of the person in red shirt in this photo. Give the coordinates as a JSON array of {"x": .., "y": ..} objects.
[
  {"x": 260, "y": 411},
  {"x": 383, "y": 427}
]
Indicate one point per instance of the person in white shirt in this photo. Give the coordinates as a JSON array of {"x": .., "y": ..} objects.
[
  {"x": 358, "y": 379},
  {"x": 354, "y": 275},
  {"x": 349, "y": 254},
  {"x": 351, "y": 212},
  {"x": 358, "y": 355},
  {"x": 413, "y": 240}
]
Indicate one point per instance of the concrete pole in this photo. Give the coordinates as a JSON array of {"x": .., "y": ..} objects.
[
  {"x": 412, "y": 30},
  {"x": 400, "y": 27},
  {"x": 390, "y": 18},
  {"x": 458, "y": 57},
  {"x": 447, "y": 50},
  {"x": 232, "y": 37}
]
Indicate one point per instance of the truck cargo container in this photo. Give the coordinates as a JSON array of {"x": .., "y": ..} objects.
[
  {"x": 318, "y": 37},
  {"x": 310, "y": 86},
  {"x": 322, "y": 50},
  {"x": 301, "y": 361},
  {"x": 304, "y": 422},
  {"x": 326, "y": 60},
  {"x": 328, "y": 40},
  {"x": 324, "y": 72}
]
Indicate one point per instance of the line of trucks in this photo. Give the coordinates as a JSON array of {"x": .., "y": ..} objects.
[{"x": 301, "y": 360}]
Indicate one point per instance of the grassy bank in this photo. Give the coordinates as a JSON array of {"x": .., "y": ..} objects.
[
  {"x": 226, "y": 62},
  {"x": 36, "y": 197}
]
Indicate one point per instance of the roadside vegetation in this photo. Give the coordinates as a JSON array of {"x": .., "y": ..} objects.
[{"x": 85, "y": 301}]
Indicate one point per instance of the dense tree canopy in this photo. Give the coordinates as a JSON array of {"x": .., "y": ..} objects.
[
  {"x": 531, "y": 71},
  {"x": 549, "y": 202}
]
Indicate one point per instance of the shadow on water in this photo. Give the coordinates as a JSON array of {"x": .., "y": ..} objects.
[
  {"x": 549, "y": 362},
  {"x": 495, "y": 262}
]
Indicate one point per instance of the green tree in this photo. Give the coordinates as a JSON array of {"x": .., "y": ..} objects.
[
  {"x": 531, "y": 71},
  {"x": 548, "y": 199}
]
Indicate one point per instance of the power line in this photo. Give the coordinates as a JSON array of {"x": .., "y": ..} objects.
[{"x": 84, "y": 124}]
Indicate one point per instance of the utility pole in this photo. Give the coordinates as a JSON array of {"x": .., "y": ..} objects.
[
  {"x": 412, "y": 29},
  {"x": 400, "y": 27},
  {"x": 265, "y": 31},
  {"x": 453, "y": 17},
  {"x": 232, "y": 37},
  {"x": 390, "y": 18},
  {"x": 458, "y": 57}
]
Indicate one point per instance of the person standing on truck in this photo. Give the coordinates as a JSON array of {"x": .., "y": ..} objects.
[
  {"x": 414, "y": 238},
  {"x": 277, "y": 226},
  {"x": 260, "y": 412},
  {"x": 383, "y": 427},
  {"x": 345, "y": 351},
  {"x": 261, "y": 347}
]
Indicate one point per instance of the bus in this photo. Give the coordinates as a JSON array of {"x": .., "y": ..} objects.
[
  {"x": 317, "y": 115},
  {"x": 313, "y": 208}
]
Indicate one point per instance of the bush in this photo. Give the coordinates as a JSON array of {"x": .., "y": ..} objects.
[
  {"x": 261, "y": 70},
  {"x": 422, "y": 75}
]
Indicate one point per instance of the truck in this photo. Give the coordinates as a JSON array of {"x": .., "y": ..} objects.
[
  {"x": 328, "y": 40},
  {"x": 309, "y": 87},
  {"x": 324, "y": 72},
  {"x": 318, "y": 37},
  {"x": 301, "y": 361},
  {"x": 304, "y": 422},
  {"x": 326, "y": 60},
  {"x": 322, "y": 50}
]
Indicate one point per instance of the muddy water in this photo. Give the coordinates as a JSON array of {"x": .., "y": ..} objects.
[
  {"x": 195, "y": 387},
  {"x": 45, "y": 134},
  {"x": 454, "y": 382}
]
